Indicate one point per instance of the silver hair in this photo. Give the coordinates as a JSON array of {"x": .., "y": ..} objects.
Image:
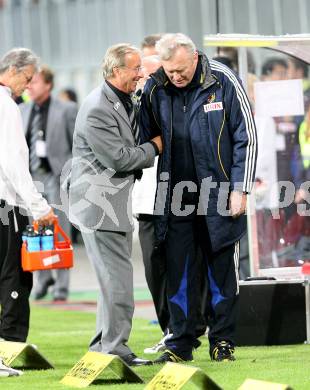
[
  {"x": 169, "y": 43},
  {"x": 18, "y": 58},
  {"x": 115, "y": 57}
]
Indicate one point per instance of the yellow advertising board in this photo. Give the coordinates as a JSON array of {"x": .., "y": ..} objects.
[
  {"x": 174, "y": 376},
  {"x": 23, "y": 355},
  {"x": 92, "y": 364}
]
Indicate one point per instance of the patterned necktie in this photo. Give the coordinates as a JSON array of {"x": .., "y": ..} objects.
[
  {"x": 134, "y": 124},
  {"x": 135, "y": 132},
  {"x": 34, "y": 160}
]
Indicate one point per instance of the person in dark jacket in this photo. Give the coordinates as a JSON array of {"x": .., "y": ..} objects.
[{"x": 204, "y": 175}]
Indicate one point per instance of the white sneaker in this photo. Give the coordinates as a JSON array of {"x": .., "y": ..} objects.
[
  {"x": 160, "y": 346},
  {"x": 8, "y": 371}
]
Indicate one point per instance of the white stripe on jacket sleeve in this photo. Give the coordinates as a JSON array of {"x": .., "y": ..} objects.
[{"x": 249, "y": 174}]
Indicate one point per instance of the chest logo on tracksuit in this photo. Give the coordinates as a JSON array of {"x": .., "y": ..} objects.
[{"x": 216, "y": 106}]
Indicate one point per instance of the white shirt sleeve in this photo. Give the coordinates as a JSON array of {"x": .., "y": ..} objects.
[{"x": 14, "y": 161}]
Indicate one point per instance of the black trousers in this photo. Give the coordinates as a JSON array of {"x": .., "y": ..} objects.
[
  {"x": 15, "y": 285},
  {"x": 184, "y": 235},
  {"x": 155, "y": 266},
  {"x": 155, "y": 269}
]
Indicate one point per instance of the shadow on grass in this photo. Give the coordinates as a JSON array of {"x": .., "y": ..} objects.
[
  {"x": 108, "y": 382},
  {"x": 23, "y": 368}
]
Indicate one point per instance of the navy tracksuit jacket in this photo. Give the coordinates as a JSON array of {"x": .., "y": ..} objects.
[{"x": 223, "y": 141}]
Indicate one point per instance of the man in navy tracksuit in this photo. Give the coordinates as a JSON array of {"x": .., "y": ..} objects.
[{"x": 206, "y": 171}]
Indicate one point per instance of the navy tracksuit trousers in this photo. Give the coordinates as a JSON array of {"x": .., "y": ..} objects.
[{"x": 184, "y": 234}]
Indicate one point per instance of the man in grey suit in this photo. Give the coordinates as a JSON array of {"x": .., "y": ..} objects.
[
  {"x": 49, "y": 126},
  {"x": 106, "y": 160}
]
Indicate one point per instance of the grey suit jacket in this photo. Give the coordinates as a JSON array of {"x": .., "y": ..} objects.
[
  {"x": 104, "y": 160},
  {"x": 59, "y": 131}
]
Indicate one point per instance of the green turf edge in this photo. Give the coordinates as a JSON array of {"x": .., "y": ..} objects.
[{"x": 63, "y": 336}]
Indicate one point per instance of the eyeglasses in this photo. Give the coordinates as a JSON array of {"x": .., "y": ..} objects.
[
  {"x": 136, "y": 70},
  {"x": 28, "y": 78}
]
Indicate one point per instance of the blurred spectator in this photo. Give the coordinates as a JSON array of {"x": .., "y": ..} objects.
[
  {"x": 148, "y": 44},
  {"x": 273, "y": 69},
  {"x": 232, "y": 54},
  {"x": 68, "y": 95},
  {"x": 298, "y": 69},
  {"x": 49, "y": 125},
  {"x": 149, "y": 65},
  {"x": 225, "y": 60}
]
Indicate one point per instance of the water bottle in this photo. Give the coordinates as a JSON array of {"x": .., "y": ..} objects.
[
  {"x": 28, "y": 229},
  {"x": 25, "y": 233},
  {"x": 33, "y": 240},
  {"x": 47, "y": 239}
]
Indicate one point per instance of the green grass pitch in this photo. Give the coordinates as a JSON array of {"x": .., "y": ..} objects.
[{"x": 63, "y": 336}]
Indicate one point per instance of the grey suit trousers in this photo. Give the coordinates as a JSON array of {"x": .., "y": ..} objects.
[{"x": 109, "y": 253}]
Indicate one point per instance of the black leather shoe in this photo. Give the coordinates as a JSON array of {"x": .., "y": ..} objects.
[
  {"x": 43, "y": 290},
  {"x": 59, "y": 298},
  {"x": 60, "y": 295},
  {"x": 133, "y": 360}
]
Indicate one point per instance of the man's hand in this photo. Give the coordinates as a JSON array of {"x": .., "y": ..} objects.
[
  {"x": 47, "y": 219},
  {"x": 300, "y": 196},
  {"x": 237, "y": 203},
  {"x": 158, "y": 141}
]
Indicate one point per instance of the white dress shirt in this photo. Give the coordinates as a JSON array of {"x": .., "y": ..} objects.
[{"x": 16, "y": 185}]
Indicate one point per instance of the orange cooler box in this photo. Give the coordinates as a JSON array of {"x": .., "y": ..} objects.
[{"x": 60, "y": 257}]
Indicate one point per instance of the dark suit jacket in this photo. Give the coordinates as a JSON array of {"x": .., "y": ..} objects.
[{"x": 59, "y": 131}]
